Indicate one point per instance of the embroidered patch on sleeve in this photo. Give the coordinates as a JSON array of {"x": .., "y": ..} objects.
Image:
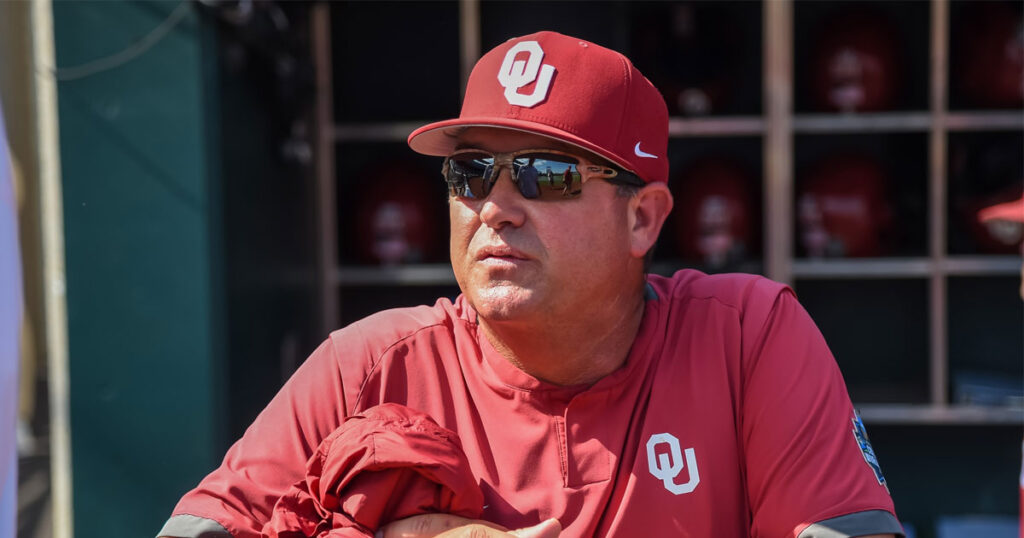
[{"x": 860, "y": 433}]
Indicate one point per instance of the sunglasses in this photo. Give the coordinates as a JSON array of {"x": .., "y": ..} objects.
[{"x": 540, "y": 174}]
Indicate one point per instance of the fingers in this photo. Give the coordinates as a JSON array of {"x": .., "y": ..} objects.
[
  {"x": 430, "y": 525},
  {"x": 449, "y": 526},
  {"x": 550, "y": 528},
  {"x": 479, "y": 529},
  {"x": 547, "y": 529}
]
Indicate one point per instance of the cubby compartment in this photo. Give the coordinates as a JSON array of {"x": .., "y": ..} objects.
[
  {"x": 703, "y": 56},
  {"x": 860, "y": 57},
  {"x": 715, "y": 225},
  {"x": 986, "y": 55},
  {"x": 934, "y": 472},
  {"x": 985, "y": 168},
  {"x": 877, "y": 334},
  {"x": 860, "y": 196},
  {"x": 603, "y": 23},
  {"x": 392, "y": 206},
  {"x": 385, "y": 69},
  {"x": 986, "y": 341}
]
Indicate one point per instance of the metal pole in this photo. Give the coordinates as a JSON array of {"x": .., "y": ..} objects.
[
  {"x": 54, "y": 287},
  {"x": 326, "y": 203},
  {"x": 778, "y": 143},
  {"x": 938, "y": 319},
  {"x": 469, "y": 44}
]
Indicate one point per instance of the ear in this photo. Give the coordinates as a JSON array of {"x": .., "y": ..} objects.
[{"x": 647, "y": 213}]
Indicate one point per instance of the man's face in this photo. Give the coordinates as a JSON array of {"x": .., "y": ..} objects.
[{"x": 517, "y": 259}]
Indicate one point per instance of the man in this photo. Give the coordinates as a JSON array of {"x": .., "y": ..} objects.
[
  {"x": 1007, "y": 219},
  {"x": 1010, "y": 217},
  {"x": 590, "y": 399}
]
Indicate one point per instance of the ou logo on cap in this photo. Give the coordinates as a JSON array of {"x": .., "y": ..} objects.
[
  {"x": 514, "y": 74},
  {"x": 667, "y": 470}
]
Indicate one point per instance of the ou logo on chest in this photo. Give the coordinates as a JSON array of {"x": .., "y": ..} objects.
[
  {"x": 666, "y": 467},
  {"x": 514, "y": 74}
]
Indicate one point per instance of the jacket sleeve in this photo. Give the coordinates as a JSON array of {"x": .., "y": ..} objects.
[
  {"x": 810, "y": 470},
  {"x": 386, "y": 463},
  {"x": 237, "y": 498}
]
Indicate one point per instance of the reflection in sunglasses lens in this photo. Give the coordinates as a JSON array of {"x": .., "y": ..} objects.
[
  {"x": 528, "y": 182},
  {"x": 541, "y": 175}
]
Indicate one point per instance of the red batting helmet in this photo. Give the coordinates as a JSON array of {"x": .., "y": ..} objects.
[
  {"x": 398, "y": 225},
  {"x": 855, "y": 67},
  {"x": 842, "y": 209},
  {"x": 717, "y": 218}
]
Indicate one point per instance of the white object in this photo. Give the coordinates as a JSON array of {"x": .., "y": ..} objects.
[
  {"x": 10, "y": 329},
  {"x": 987, "y": 526},
  {"x": 514, "y": 74}
]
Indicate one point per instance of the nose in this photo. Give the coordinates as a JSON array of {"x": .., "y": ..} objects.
[{"x": 504, "y": 206}]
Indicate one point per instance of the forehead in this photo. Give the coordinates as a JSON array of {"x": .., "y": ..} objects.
[{"x": 505, "y": 140}]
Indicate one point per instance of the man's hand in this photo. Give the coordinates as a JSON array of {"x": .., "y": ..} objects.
[{"x": 449, "y": 526}]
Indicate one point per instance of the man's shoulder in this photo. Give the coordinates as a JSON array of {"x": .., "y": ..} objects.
[
  {"x": 394, "y": 325},
  {"x": 736, "y": 290}
]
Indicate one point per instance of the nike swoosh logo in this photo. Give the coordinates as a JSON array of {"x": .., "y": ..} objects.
[{"x": 641, "y": 153}]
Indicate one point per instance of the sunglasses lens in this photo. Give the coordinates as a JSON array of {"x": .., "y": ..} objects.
[
  {"x": 468, "y": 175},
  {"x": 548, "y": 176},
  {"x": 543, "y": 176}
]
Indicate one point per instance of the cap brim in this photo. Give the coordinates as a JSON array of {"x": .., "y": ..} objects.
[
  {"x": 1010, "y": 211},
  {"x": 440, "y": 138}
]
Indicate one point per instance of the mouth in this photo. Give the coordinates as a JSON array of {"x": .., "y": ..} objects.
[{"x": 501, "y": 253}]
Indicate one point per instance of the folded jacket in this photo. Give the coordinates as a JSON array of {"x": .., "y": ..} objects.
[{"x": 388, "y": 463}]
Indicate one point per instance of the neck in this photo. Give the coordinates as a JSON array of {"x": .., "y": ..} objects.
[{"x": 571, "y": 349}]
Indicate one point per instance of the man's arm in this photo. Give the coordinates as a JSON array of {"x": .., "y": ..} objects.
[
  {"x": 237, "y": 498},
  {"x": 809, "y": 466}
]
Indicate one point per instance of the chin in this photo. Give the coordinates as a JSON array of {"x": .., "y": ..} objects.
[{"x": 502, "y": 302}]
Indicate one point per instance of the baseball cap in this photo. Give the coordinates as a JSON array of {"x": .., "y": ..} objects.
[
  {"x": 567, "y": 89},
  {"x": 1008, "y": 211}
]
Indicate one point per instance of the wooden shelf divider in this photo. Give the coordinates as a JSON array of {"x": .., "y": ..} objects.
[{"x": 919, "y": 414}]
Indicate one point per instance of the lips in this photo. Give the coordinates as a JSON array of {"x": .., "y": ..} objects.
[{"x": 503, "y": 252}]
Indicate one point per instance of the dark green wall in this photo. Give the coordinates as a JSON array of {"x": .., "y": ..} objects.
[{"x": 143, "y": 254}]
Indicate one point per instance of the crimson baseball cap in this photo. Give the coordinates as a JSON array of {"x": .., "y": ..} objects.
[{"x": 564, "y": 88}]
